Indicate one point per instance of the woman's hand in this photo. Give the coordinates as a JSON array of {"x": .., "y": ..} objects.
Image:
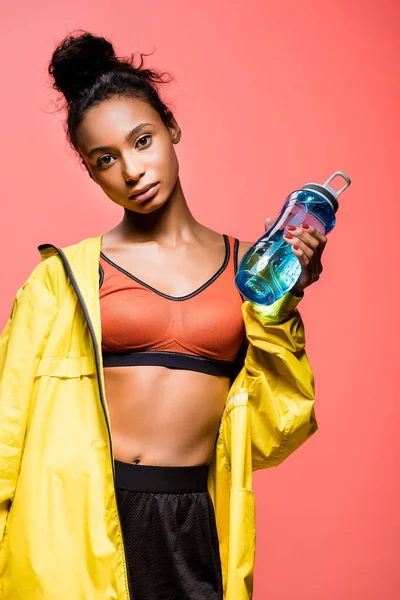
[{"x": 308, "y": 245}]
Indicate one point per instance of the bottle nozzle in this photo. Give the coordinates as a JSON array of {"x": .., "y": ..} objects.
[
  {"x": 330, "y": 188},
  {"x": 327, "y": 190}
]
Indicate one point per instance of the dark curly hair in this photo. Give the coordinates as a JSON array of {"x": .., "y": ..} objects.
[{"x": 86, "y": 70}]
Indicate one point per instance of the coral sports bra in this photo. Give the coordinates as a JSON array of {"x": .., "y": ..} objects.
[{"x": 202, "y": 331}]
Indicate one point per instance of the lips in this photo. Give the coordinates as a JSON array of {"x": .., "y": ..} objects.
[{"x": 147, "y": 192}]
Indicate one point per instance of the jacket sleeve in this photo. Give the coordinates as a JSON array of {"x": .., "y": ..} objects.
[
  {"x": 21, "y": 345},
  {"x": 278, "y": 379}
]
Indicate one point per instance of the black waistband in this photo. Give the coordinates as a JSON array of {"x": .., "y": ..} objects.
[
  {"x": 172, "y": 360},
  {"x": 160, "y": 480}
]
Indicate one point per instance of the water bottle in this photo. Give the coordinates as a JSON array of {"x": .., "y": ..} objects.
[{"x": 269, "y": 268}]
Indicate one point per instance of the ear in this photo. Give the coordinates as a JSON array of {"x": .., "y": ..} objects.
[{"x": 174, "y": 130}]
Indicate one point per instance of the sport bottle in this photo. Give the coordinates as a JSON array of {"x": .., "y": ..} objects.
[{"x": 269, "y": 268}]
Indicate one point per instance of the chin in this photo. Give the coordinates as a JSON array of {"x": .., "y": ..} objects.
[{"x": 150, "y": 206}]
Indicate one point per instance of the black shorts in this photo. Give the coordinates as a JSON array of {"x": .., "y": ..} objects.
[{"x": 168, "y": 523}]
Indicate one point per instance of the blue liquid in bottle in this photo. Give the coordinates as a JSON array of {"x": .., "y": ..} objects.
[{"x": 269, "y": 269}]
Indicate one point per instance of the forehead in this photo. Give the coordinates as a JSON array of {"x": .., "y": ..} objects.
[{"x": 108, "y": 123}]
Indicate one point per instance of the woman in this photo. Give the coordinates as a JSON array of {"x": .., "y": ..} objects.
[{"x": 138, "y": 391}]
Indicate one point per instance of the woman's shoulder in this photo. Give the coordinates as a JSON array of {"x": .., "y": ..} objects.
[
  {"x": 242, "y": 249},
  {"x": 242, "y": 245},
  {"x": 49, "y": 250},
  {"x": 50, "y": 270}
]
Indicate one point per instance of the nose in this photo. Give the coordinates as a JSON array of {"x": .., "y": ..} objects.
[{"x": 133, "y": 168}]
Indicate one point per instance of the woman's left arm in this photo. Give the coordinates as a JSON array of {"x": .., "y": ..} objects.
[{"x": 276, "y": 376}]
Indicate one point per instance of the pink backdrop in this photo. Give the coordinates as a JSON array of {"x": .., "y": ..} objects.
[{"x": 270, "y": 95}]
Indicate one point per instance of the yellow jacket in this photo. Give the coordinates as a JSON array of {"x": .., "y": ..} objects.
[{"x": 60, "y": 536}]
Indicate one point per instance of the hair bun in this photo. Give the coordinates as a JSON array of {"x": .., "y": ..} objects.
[{"x": 78, "y": 61}]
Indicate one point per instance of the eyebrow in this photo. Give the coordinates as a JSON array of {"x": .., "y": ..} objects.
[{"x": 128, "y": 138}]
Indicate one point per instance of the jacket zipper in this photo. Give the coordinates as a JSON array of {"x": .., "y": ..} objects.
[{"x": 77, "y": 291}]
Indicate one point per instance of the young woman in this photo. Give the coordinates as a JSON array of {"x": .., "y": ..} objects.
[{"x": 138, "y": 391}]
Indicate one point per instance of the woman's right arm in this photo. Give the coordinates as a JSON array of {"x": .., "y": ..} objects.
[{"x": 21, "y": 345}]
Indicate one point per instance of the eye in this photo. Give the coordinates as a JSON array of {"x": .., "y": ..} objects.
[
  {"x": 105, "y": 161},
  {"x": 144, "y": 141}
]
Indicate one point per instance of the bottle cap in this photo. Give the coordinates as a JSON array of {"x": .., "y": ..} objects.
[{"x": 327, "y": 191}]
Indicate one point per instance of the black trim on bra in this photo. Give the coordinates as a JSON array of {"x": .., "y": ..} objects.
[
  {"x": 235, "y": 255},
  {"x": 172, "y": 360},
  {"x": 101, "y": 276},
  {"x": 240, "y": 358},
  {"x": 177, "y": 298},
  {"x": 235, "y": 260}
]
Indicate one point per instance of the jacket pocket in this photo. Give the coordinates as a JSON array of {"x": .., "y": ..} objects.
[{"x": 66, "y": 367}]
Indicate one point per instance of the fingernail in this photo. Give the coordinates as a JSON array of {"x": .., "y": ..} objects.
[
  {"x": 288, "y": 236},
  {"x": 305, "y": 226},
  {"x": 295, "y": 247},
  {"x": 291, "y": 228}
]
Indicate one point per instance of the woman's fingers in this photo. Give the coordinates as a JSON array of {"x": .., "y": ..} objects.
[{"x": 268, "y": 222}]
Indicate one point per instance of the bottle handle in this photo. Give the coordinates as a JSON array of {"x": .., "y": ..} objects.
[{"x": 341, "y": 174}]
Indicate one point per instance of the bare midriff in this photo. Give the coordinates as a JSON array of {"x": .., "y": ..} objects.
[{"x": 164, "y": 417}]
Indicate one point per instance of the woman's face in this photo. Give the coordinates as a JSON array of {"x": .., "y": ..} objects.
[{"x": 127, "y": 148}]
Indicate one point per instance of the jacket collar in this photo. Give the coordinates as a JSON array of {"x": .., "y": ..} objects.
[{"x": 81, "y": 260}]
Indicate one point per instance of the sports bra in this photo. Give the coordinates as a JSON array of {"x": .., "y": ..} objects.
[{"x": 202, "y": 331}]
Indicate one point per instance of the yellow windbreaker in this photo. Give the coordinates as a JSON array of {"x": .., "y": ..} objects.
[{"x": 60, "y": 535}]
